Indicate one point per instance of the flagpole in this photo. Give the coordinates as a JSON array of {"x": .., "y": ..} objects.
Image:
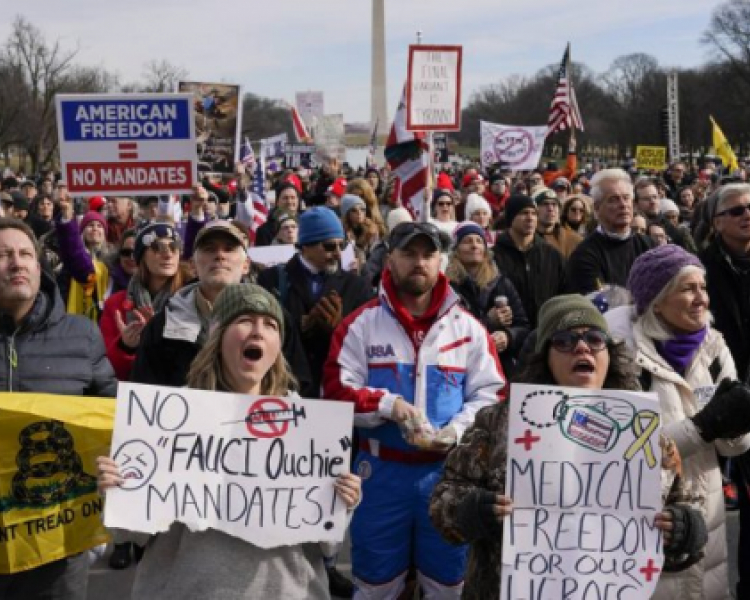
[{"x": 427, "y": 205}]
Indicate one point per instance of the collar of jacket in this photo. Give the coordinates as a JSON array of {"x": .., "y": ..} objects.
[
  {"x": 182, "y": 320},
  {"x": 448, "y": 300}
]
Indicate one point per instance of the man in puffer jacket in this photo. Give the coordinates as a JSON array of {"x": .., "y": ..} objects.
[{"x": 43, "y": 349}]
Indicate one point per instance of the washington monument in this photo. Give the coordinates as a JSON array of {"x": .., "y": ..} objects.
[{"x": 378, "y": 100}]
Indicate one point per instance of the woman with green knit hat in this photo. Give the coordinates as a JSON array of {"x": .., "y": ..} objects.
[
  {"x": 242, "y": 355},
  {"x": 573, "y": 349}
]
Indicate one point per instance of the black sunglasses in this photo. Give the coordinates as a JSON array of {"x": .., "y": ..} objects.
[
  {"x": 126, "y": 253},
  {"x": 333, "y": 246},
  {"x": 158, "y": 246},
  {"x": 566, "y": 341},
  {"x": 735, "y": 211}
]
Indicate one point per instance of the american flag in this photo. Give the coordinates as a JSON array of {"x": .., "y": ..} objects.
[
  {"x": 564, "y": 113},
  {"x": 409, "y": 159},
  {"x": 252, "y": 209},
  {"x": 300, "y": 130},
  {"x": 373, "y": 144},
  {"x": 247, "y": 156}
]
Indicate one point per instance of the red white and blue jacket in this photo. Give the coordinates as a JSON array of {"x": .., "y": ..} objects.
[{"x": 373, "y": 360}]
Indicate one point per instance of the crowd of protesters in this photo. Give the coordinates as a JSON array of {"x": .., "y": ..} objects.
[{"x": 488, "y": 282}]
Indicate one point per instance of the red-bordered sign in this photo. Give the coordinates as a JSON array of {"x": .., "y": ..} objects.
[{"x": 433, "y": 88}]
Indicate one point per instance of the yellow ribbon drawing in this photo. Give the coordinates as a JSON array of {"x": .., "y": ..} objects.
[{"x": 643, "y": 437}]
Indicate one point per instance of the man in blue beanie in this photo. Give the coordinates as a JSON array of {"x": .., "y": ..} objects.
[{"x": 318, "y": 294}]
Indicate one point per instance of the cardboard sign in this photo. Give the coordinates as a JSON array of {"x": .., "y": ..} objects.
[
  {"x": 218, "y": 120},
  {"x": 651, "y": 157},
  {"x": 258, "y": 468},
  {"x": 517, "y": 146},
  {"x": 49, "y": 504},
  {"x": 433, "y": 88},
  {"x": 132, "y": 144},
  {"x": 584, "y": 472}
]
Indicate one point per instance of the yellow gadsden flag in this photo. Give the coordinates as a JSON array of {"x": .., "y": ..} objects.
[
  {"x": 723, "y": 149},
  {"x": 49, "y": 506}
]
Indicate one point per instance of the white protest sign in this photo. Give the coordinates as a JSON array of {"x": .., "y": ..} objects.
[
  {"x": 329, "y": 137},
  {"x": 433, "y": 88},
  {"x": 310, "y": 106},
  {"x": 584, "y": 472},
  {"x": 130, "y": 144},
  {"x": 270, "y": 256},
  {"x": 516, "y": 146},
  {"x": 258, "y": 468}
]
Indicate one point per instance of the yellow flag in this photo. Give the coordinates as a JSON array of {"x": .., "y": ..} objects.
[
  {"x": 49, "y": 505},
  {"x": 723, "y": 149}
]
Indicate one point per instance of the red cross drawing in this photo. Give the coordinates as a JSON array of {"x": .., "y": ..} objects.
[
  {"x": 649, "y": 570},
  {"x": 527, "y": 440}
]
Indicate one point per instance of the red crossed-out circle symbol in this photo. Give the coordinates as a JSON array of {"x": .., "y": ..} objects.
[{"x": 264, "y": 420}]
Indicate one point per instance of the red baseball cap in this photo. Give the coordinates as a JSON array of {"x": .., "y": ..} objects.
[
  {"x": 471, "y": 178},
  {"x": 338, "y": 188},
  {"x": 96, "y": 203}
]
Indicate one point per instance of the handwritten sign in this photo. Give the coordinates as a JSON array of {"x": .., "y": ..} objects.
[
  {"x": 258, "y": 468},
  {"x": 651, "y": 157},
  {"x": 433, "y": 88},
  {"x": 584, "y": 472},
  {"x": 517, "y": 146},
  {"x": 49, "y": 504}
]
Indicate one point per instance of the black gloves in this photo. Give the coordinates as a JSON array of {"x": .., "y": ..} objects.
[
  {"x": 727, "y": 414},
  {"x": 689, "y": 535},
  {"x": 476, "y": 516}
]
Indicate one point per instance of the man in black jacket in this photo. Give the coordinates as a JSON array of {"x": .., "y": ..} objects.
[
  {"x": 606, "y": 255},
  {"x": 649, "y": 203},
  {"x": 535, "y": 268},
  {"x": 43, "y": 349}
]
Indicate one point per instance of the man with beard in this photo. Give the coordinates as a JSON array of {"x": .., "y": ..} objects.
[{"x": 417, "y": 368}]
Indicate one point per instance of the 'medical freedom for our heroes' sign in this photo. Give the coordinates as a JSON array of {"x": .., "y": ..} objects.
[
  {"x": 258, "y": 468},
  {"x": 433, "y": 89},
  {"x": 137, "y": 144}
]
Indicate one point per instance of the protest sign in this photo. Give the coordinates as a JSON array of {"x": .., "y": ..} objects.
[
  {"x": 298, "y": 155},
  {"x": 258, "y": 468},
  {"x": 584, "y": 472},
  {"x": 218, "y": 120},
  {"x": 134, "y": 144},
  {"x": 329, "y": 138},
  {"x": 433, "y": 88},
  {"x": 651, "y": 157},
  {"x": 272, "y": 151},
  {"x": 440, "y": 140},
  {"x": 310, "y": 106},
  {"x": 517, "y": 146},
  {"x": 49, "y": 505}
]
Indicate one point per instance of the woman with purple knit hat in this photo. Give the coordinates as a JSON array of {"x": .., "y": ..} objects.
[{"x": 704, "y": 409}]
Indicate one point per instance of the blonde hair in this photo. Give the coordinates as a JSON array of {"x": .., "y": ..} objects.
[
  {"x": 362, "y": 188},
  {"x": 457, "y": 273},
  {"x": 207, "y": 369}
]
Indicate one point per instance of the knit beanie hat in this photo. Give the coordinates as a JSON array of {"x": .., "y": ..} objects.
[
  {"x": 668, "y": 206},
  {"x": 566, "y": 312},
  {"x": 318, "y": 225},
  {"x": 467, "y": 228},
  {"x": 653, "y": 270},
  {"x": 542, "y": 194},
  {"x": 396, "y": 217},
  {"x": 475, "y": 202},
  {"x": 515, "y": 204},
  {"x": 440, "y": 192},
  {"x": 348, "y": 202},
  {"x": 149, "y": 234},
  {"x": 94, "y": 216},
  {"x": 245, "y": 298},
  {"x": 281, "y": 219}
]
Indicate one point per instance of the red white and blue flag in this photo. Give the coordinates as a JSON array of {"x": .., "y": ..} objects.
[
  {"x": 247, "y": 156},
  {"x": 408, "y": 155},
  {"x": 254, "y": 210},
  {"x": 300, "y": 129},
  {"x": 373, "y": 144},
  {"x": 564, "y": 113}
]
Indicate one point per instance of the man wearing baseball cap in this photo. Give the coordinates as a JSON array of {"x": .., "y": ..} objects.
[
  {"x": 417, "y": 368},
  {"x": 171, "y": 340}
]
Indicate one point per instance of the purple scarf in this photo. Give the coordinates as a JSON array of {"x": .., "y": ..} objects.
[{"x": 680, "y": 350}]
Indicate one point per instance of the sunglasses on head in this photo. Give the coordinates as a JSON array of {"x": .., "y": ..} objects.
[
  {"x": 127, "y": 252},
  {"x": 735, "y": 211},
  {"x": 159, "y": 247},
  {"x": 567, "y": 341},
  {"x": 333, "y": 246}
]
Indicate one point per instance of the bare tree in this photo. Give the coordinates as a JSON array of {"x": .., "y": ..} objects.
[
  {"x": 162, "y": 76},
  {"x": 728, "y": 35}
]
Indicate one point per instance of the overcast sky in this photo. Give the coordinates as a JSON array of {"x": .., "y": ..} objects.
[{"x": 274, "y": 48}]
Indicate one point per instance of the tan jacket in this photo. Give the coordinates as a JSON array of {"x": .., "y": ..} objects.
[{"x": 563, "y": 239}]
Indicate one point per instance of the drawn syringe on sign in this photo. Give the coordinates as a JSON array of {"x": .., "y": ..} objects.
[{"x": 279, "y": 415}]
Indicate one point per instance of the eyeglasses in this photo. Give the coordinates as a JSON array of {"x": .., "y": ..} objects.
[
  {"x": 126, "y": 253},
  {"x": 567, "y": 341},
  {"x": 333, "y": 246},
  {"x": 159, "y": 247},
  {"x": 735, "y": 211}
]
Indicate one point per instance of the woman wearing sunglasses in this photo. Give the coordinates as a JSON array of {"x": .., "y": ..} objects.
[
  {"x": 242, "y": 355},
  {"x": 573, "y": 348},
  {"x": 444, "y": 211},
  {"x": 683, "y": 359}
]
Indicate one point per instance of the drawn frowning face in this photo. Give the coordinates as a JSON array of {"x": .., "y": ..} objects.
[{"x": 137, "y": 462}]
